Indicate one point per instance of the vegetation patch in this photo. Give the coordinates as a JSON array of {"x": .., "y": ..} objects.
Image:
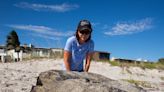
[
  {"x": 113, "y": 63},
  {"x": 143, "y": 65},
  {"x": 139, "y": 83},
  {"x": 148, "y": 65},
  {"x": 162, "y": 78}
]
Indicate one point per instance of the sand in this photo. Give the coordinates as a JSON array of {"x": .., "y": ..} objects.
[{"x": 21, "y": 76}]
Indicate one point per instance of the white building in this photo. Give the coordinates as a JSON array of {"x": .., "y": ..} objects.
[
  {"x": 2, "y": 55},
  {"x": 58, "y": 52},
  {"x": 41, "y": 52},
  {"x": 15, "y": 55}
]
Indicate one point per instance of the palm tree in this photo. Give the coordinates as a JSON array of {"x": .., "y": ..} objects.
[{"x": 13, "y": 42}]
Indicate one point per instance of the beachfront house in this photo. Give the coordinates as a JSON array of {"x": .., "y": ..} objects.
[
  {"x": 47, "y": 52},
  {"x": 100, "y": 55},
  {"x": 2, "y": 54},
  {"x": 15, "y": 56},
  {"x": 10, "y": 55},
  {"x": 129, "y": 60},
  {"x": 40, "y": 53},
  {"x": 57, "y": 52},
  {"x": 28, "y": 52}
]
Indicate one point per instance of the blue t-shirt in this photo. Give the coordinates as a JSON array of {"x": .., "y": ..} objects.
[{"x": 78, "y": 52}]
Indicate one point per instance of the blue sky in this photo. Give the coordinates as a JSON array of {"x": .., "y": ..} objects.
[{"x": 131, "y": 29}]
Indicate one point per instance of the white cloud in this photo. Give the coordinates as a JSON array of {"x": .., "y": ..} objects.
[
  {"x": 42, "y": 7},
  {"x": 130, "y": 28},
  {"x": 47, "y": 31}
]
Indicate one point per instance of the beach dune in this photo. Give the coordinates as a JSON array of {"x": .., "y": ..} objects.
[{"x": 21, "y": 76}]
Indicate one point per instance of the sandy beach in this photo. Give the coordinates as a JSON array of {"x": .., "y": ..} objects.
[{"x": 20, "y": 76}]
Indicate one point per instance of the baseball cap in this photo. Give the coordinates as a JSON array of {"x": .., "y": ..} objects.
[{"x": 84, "y": 25}]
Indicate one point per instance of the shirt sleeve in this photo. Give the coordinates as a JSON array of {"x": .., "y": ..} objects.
[
  {"x": 68, "y": 46},
  {"x": 91, "y": 47}
]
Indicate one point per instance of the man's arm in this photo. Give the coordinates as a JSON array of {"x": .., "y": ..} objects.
[
  {"x": 67, "y": 56},
  {"x": 88, "y": 61}
]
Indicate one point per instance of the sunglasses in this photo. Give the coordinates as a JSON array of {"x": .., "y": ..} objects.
[{"x": 85, "y": 32}]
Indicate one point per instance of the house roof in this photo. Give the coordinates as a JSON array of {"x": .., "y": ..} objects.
[
  {"x": 2, "y": 47},
  {"x": 102, "y": 52}
]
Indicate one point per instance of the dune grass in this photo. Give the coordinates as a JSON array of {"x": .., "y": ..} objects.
[
  {"x": 143, "y": 65},
  {"x": 162, "y": 78},
  {"x": 139, "y": 83}
]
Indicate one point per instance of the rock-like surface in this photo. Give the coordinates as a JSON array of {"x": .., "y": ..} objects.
[{"x": 62, "y": 81}]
